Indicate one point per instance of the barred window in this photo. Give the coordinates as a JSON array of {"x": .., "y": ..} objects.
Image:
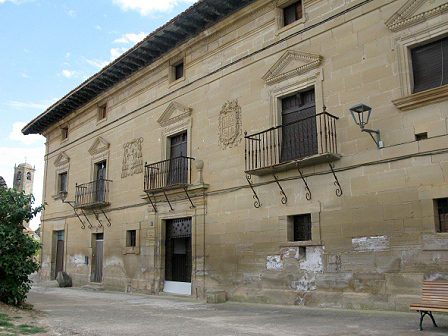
[
  {"x": 302, "y": 227},
  {"x": 131, "y": 237},
  {"x": 442, "y": 218}
]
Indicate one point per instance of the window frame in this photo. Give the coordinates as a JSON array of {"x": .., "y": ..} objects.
[
  {"x": 403, "y": 45},
  {"x": 438, "y": 222},
  {"x": 127, "y": 228},
  {"x": 64, "y": 133},
  {"x": 173, "y": 67},
  {"x": 293, "y": 8},
  {"x": 59, "y": 186},
  {"x": 102, "y": 113}
]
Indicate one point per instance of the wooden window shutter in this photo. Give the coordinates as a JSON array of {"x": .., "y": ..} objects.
[{"x": 430, "y": 65}]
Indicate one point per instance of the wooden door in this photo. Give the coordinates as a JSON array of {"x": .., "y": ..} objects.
[
  {"x": 299, "y": 132},
  {"x": 178, "y": 261},
  {"x": 98, "y": 258},
  {"x": 178, "y": 163},
  {"x": 100, "y": 183},
  {"x": 59, "y": 253}
]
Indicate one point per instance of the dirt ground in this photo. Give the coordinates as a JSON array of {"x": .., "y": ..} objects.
[{"x": 20, "y": 316}]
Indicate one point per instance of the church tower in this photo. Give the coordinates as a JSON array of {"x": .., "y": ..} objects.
[{"x": 24, "y": 177}]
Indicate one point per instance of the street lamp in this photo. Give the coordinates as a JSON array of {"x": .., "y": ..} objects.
[{"x": 361, "y": 115}]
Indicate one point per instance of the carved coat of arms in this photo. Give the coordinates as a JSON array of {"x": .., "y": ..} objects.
[
  {"x": 230, "y": 124},
  {"x": 132, "y": 158}
]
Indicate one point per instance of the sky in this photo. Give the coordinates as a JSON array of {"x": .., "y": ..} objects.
[{"x": 49, "y": 47}]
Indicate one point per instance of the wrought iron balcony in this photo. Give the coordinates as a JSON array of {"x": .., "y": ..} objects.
[
  {"x": 168, "y": 174},
  {"x": 92, "y": 194},
  {"x": 308, "y": 141}
]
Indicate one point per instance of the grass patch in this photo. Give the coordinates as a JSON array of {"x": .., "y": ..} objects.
[
  {"x": 26, "y": 329},
  {"x": 22, "y": 329}
]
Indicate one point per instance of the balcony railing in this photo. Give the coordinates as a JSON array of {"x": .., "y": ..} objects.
[
  {"x": 168, "y": 174},
  {"x": 91, "y": 194},
  {"x": 311, "y": 140}
]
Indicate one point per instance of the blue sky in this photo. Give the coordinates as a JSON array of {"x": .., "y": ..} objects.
[{"x": 48, "y": 47}]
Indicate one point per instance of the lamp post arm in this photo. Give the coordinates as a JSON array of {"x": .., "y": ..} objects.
[{"x": 378, "y": 141}]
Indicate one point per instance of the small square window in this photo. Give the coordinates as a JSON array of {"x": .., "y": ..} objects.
[
  {"x": 442, "y": 212},
  {"x": 302, "y": 227},
  {"x": 62, "y": 182},
  {"x": 64, "y": 133},
  {"x": 292, "y": 13},
  {"x": 102, "y": 112},
  {"x": 178, "y": 71},
  {"x": 131, "y": 238}
]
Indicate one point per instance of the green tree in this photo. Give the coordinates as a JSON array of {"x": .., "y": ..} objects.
[{"x": 16, "y": 248}]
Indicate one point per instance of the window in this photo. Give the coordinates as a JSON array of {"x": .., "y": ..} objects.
[
  {"x": 131, "y": 236},
  {"x": 64, "y": 132},
  {"x": 292, "y": 13},
  {"x": 19, "y": 176},
  {"x": 28, "y": 176},
  {"x": 442, "y": 218},
  {"x": 178, "y": 71},
  {"x": 430, "y": 65},
  {"x": 299, "y": 131},
  {"x": 302, "y": 227},
  {"x": 102, "y": 112},
  {"x": 62, "y": 181}
]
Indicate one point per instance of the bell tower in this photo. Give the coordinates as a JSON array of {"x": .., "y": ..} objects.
[{"x": 24, "y": 177}]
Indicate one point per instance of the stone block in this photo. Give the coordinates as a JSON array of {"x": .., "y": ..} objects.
[{"x": 215, "y": 296}]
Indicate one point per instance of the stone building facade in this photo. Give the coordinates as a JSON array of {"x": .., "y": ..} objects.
[{"x": 220, "y": 153}]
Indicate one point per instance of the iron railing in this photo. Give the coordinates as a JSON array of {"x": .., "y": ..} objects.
[
  {"x": 296, "y": 140},
  {"x": 93, "y": 193},
  {"x": 168, "y": 173}
]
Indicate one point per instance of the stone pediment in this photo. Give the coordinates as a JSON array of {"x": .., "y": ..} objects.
[
  {"x": 291, "y": 64},
  {"x": 99, "y": 146},
  {"x": 414, "y": 12},
  {"x": 61, "y": 160},
  {"x": 174, "y": 112}
]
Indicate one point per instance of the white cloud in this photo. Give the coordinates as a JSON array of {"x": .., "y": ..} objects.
[
  {"x": 67, "y": 54},
  {"x": 97, "y": 63},
  {"x": 116, "y": 52},
  {"x": 69, "y": 74},
  {"x": 40, "y": 106},
  {"x": 98, "y": 27},
  {"x": 131, "y": 38},
  {"x": 146, "y": 7},
  {"x": 35, "y": 157},
  {"x": 71, "y": 13},
  {"x": 16, "y": 134},
  {"x": 24, "y": 75}
]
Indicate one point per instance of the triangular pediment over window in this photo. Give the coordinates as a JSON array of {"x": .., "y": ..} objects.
[
  {"x": 291, "y": 64},
  {"x": 173, "y": 113},
  {"x": 416, "y": 11},
  {"x": 99, "y": 146},
  {"x": 61, "y": 160}
]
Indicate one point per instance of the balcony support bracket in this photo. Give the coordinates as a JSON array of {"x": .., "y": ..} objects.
[
  {"x": 97, "y": 218},
  {"x": 76, "y": 213},
  {"x": 152, "y": 203},
  {"x": 336, "y": 182},
  {"x": 282, "y": 193},
  {"x": 308, "y": 191},
  {"x": 186, "y": 192},
  {"x": 108, "y": 220},
  {"x": 85, "y": 216},
  {"x": 168, "y": 201},
  {"x": 257, "y": 202}
]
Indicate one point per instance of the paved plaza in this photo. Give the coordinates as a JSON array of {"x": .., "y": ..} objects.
[{"x": 74, "y": 311}]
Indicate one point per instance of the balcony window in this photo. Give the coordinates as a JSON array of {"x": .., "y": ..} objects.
[{"x": 304, "y": 138}]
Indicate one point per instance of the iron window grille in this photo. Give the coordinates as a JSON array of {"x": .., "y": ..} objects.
[
  {"x": 302, "y": 227},
  {"x": 442, "y": 210}
]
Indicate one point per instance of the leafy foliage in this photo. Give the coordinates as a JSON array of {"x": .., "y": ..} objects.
[{"x": 16, "y": 248}]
